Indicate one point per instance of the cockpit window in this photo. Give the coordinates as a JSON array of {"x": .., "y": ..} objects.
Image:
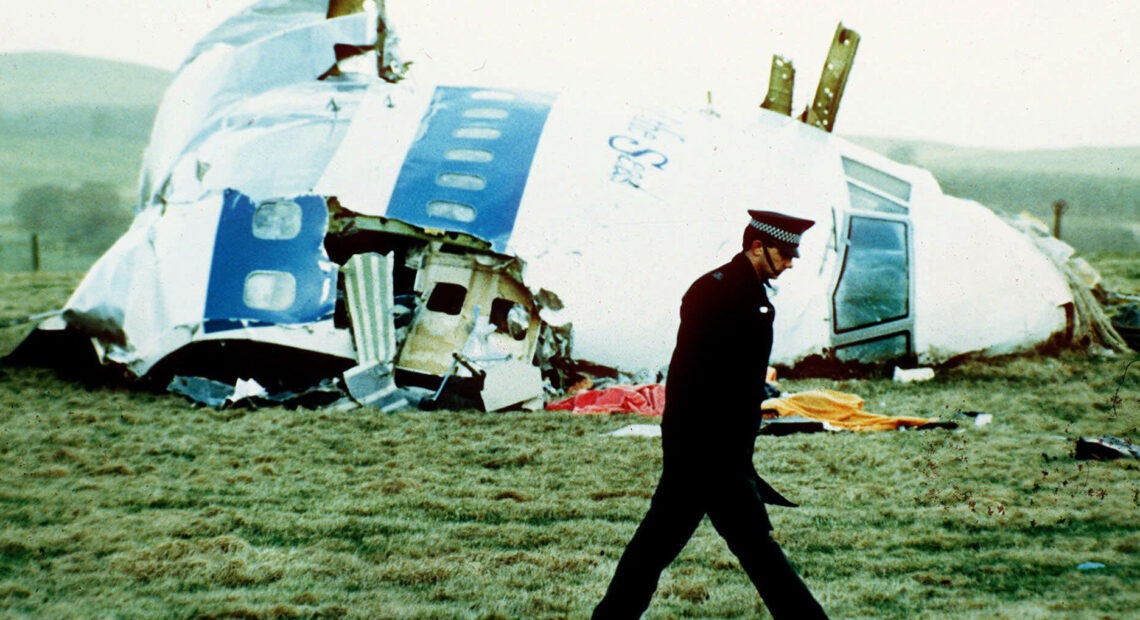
[
  {"x": 877, "y": 179},
  {"x": 873, "y": 287},
  {"x": 869, "y": 201}
]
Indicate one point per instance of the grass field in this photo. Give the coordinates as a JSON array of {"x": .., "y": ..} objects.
[{"x": 120, "y": 503}]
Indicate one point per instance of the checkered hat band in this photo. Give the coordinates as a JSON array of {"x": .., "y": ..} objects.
[{"x": 782, "y": 235}]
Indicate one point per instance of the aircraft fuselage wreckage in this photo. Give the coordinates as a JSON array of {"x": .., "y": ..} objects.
[{"x": 302, "y": 223}]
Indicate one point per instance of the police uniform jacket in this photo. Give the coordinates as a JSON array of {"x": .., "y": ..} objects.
[{"x": 715, "y": 385}]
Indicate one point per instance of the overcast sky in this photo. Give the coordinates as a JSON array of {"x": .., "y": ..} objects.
[{"x": 992, "y": 73}]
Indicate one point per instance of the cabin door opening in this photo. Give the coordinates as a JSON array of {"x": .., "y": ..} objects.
[{"x": 872, "y": 300}]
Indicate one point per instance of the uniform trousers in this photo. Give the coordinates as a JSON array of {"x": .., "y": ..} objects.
[{"x": 736, "y": 510}]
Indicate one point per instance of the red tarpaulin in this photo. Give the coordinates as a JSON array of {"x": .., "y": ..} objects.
[{"x": 643, "y": 399}]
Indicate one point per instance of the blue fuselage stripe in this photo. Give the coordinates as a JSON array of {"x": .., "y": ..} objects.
[
  {"x": 473, "y": 152},
  {"x": 239, "y": 253}
]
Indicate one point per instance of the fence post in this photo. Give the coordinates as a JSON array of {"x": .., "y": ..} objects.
[
  {"x": 1059, "y": 208},
  {"x": 35, "y": 252}
]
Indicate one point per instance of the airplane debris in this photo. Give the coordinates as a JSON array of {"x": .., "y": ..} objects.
[
  {"x": 1127, "y": 324},
  {"x": 307, "y": 217},
  {"x": 841, "y": 411},
  {"x": 373, "y": 385},
  {"x": 980, "y": 419},
  {"x": 249, "y": 393},
  {"x": 911, "y": 375},
  {"x": 1105, "y": 448},
  {"x": 833, "y": 81},
  {"x": 790, "y": 425},
  {"x": 637, "y": 430}
]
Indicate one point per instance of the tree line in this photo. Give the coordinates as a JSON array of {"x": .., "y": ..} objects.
[{"x": 87, "y": 218}]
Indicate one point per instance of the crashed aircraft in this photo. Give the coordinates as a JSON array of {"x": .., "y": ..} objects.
[{"x": 303, "y": 221}]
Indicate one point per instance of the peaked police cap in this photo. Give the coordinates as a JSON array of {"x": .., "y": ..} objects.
[{"x": 780, "y": 230}]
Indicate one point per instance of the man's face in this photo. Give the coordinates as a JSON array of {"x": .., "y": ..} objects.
[
  {"x": 779, "y": 262},
  {"x": 768, "y": 262}
]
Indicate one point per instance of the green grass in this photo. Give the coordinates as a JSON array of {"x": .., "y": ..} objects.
[{"x": 121, "y": 503}]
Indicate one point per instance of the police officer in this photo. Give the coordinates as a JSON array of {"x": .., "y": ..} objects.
[{"x": 712, "y": 409}]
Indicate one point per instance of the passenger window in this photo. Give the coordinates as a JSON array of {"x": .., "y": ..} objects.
[
  {"x": 447, "y": 298},
  {"x": 270, "y": 290},
  {"x": 510, "y": 318},
  {"x": 873, "y": 286},
  {"x": 460, "y": 180},
  {"x": 447, "y": 209},
  {"x": 277, "y": 220},
  {"x": 478, "y": 156}
]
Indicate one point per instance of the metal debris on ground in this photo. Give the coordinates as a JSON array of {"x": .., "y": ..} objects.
[
  {"x": 637, "y": 430},
  {"x": 1105, "y": 448}
]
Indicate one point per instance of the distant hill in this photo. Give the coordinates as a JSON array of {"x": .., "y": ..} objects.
[
  {"x": 1119, "y": 162},
  {"x": 67, "y": 120},
  {"x": 31, "y": 81}
]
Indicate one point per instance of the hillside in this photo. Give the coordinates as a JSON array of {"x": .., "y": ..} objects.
[
  {"x": 37, "y": 81},
  {"x": 68, "y": 120}
]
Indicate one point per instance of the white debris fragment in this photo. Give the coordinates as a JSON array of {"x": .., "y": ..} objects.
[
  {"x": 246, "y": 388},
  {"x": 913, "y": 374},
  {"x": 637, "y": 430}
]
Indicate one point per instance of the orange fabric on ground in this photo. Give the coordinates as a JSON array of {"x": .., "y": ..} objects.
[{"x": 838, "y": 409}]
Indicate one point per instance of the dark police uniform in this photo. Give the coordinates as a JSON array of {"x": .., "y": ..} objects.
[{"x": 712, "y": 408}]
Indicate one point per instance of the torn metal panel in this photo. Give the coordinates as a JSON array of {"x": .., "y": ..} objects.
[
  {"x": 1105, "y": 448},
  {"x": 470, "y": 307},
  {"x": 512, "y": 383},
  {"x": 833, "y": 80},
  {"x": 344, "y": 222},
  {"x": 373, "y": 385},
  {"x": 369, "y": 295},
  {"x": 340, "y": 8},
  {"x": 368, "y": 289},
  {"x": 781, "y": 83}
]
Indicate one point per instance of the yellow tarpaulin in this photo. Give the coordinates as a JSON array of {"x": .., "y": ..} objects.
[{"x": 840, "y": 410}]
